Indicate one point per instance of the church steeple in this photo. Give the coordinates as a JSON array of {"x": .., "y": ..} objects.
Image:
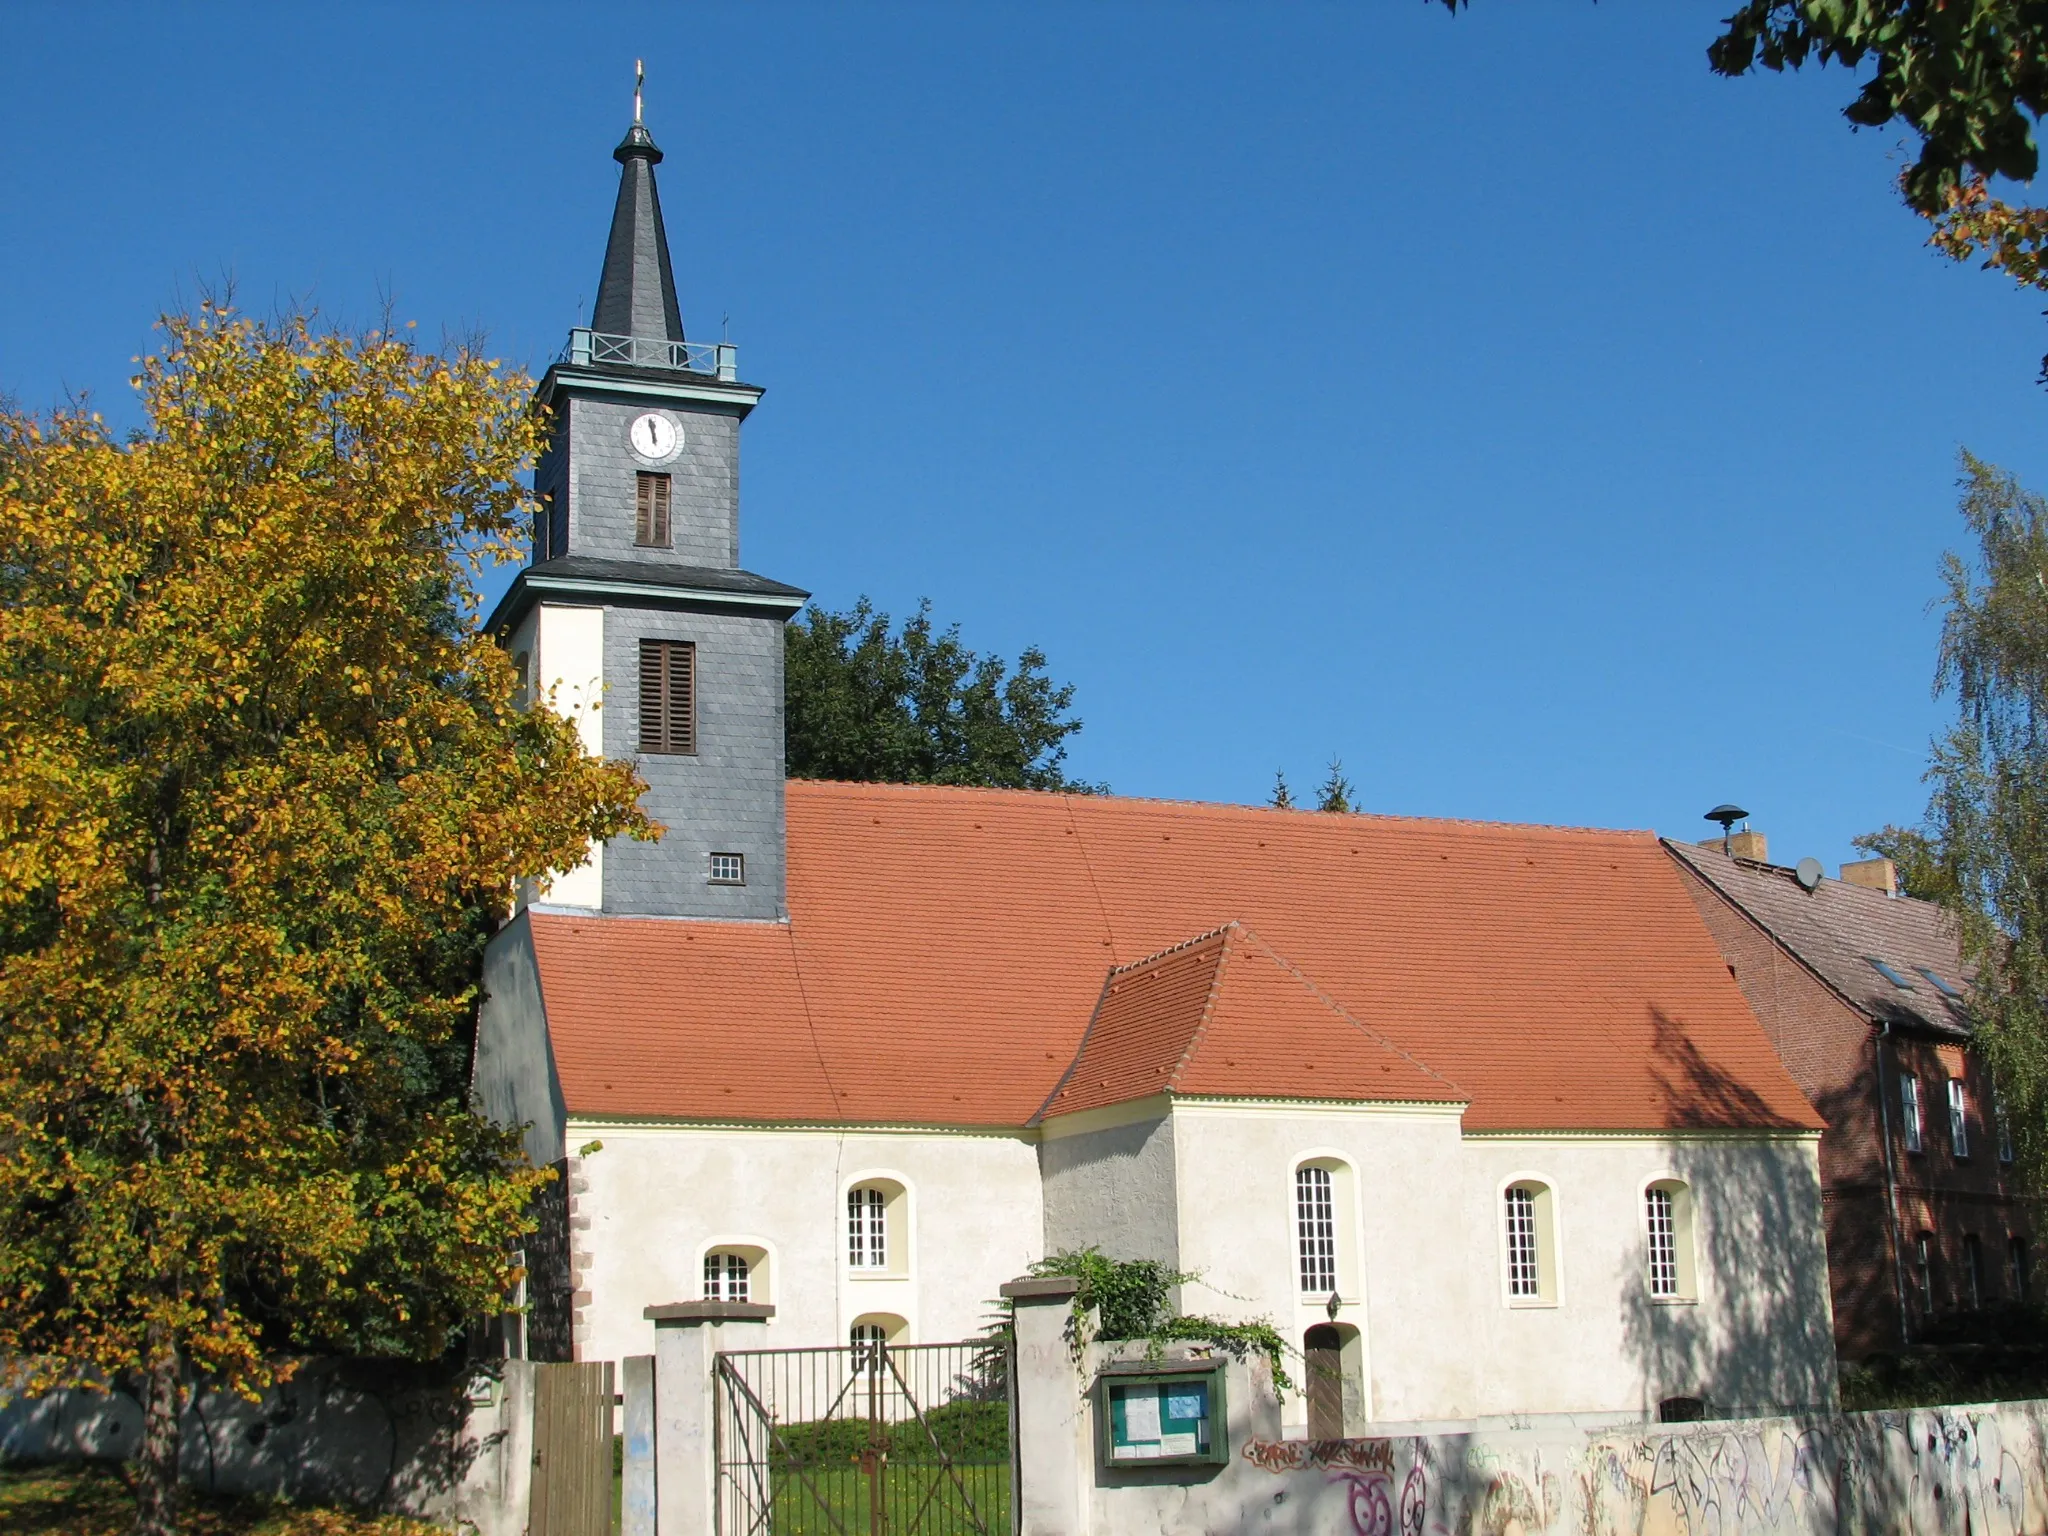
[
  {"x": 636, "y": 296},
  {"x": 636, "y": 597}
]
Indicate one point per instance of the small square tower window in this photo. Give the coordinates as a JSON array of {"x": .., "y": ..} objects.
[
  {"x": 728, "y": 869},
  {"x": 650, "y": 523}
]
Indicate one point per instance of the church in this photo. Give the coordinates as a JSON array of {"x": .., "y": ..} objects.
[{"x": 1473, "y": 1113}]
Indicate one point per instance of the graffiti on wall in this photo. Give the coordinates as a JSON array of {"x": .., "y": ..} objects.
[{"x": 1980, "y": 1470}]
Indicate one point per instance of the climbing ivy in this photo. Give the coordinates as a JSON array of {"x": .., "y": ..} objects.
[{"x": 1133, "y": 1300}]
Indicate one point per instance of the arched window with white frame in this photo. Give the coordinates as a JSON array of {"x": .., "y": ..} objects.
[
  {"x": 1667, "y": 1230},
  {"x": 725, "y": 1277},
  {"x": 877, "y": 1228},
  {"x": 1315, "y": 1227},
  {"x": 736, "y": 1271},
  {"x": 1324, "y": 1237},
  {"x": 1529, "y": 1243}
]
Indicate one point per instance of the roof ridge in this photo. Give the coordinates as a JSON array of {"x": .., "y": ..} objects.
[
  {"x": 1230, "y": 930},
  {"x": 1232, "y": 807},
  {"x": 1346, "y": 1014},
  {"x": 1173, "y": 949}
]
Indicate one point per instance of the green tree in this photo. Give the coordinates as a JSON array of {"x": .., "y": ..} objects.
[
  {"x": 1984, "y": 849},
  {"x": 874, "y": 704},
  {"x": 1968, "y": 77},
  {"x": 1283, "y": 797},
  {"x": 1336, "y": 790},
  {"x": 263, "y": 794}
]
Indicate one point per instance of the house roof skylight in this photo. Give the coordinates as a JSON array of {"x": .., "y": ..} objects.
[
  {"x": 1942, "y": 985},
  {"x": 1889, "y": 974}
]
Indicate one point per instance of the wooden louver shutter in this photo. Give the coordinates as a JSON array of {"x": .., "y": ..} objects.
[
  {"x": 668, "y": 696},
  {"x": 650, "y": 521}
]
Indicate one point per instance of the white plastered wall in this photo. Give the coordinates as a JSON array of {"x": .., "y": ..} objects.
[
  {"x": 1442, "y": 1342},
  {"x": 565, "y": 644},
  {"x": 657, "y": 1196}
]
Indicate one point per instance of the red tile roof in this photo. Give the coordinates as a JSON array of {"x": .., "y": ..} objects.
[
  {"x": 947, "y": 947},
  {"x": 1223, "y": 1015}
]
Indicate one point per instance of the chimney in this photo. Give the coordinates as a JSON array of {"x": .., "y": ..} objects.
[
  {"x": 1746, "y": 844},
  {"x": 1873, "y": 874}
]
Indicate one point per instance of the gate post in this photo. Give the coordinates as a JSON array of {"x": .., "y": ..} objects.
[
  {"x": 636, "y": 1490},
  {"x": 1049, "y": 1417},
  {"x": 688, "y": 1336}
]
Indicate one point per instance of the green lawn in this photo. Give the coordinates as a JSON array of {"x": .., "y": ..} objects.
[
  {"x": 97, "y": 1499},
  {"x": 819, "y": 1488},
  {"x": 915, "y": 1497}
]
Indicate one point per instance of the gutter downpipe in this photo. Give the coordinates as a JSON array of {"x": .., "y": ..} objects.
[{"x": 1891, "y": 1183}]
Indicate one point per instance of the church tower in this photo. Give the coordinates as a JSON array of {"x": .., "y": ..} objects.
[{"x": 633, "y": 614}]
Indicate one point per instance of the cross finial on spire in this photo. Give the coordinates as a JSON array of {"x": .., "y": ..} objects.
[{"x": 639, "y": 78}]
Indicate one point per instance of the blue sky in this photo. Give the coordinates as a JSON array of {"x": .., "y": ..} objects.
[{"x": 1552, "y": 430}]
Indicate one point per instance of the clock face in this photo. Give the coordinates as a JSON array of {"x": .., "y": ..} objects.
[{"x": 654, "y": 436}]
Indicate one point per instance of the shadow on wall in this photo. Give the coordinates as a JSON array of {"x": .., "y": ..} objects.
[
  {"x": 365, "y": 1433},
  {"x": 1749, "y": 1331}
]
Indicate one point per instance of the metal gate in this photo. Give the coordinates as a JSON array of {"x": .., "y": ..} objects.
[
  {"x": 873, "y": 1440},
  {"x": 572, "y": 1450}
]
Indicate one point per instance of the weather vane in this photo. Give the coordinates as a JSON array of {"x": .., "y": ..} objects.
[{"x": 639, "y": 78}]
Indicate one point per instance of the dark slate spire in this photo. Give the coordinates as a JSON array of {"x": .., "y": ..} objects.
[{"x": 637, "y": 294}]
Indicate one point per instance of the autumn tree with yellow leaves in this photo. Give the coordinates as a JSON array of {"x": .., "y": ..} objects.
[{"x": 265, "y": 790}]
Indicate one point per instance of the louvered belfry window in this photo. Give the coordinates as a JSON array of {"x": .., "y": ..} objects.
[
  {"x": 668, "y": 696},
  {"x": 650, "y": 523}
]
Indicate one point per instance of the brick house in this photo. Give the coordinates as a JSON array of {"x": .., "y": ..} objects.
[{"x": 1861, "y": 989}]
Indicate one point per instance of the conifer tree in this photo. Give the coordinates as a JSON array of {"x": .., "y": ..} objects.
[
  {"x": 1336, "y": 791},
  {"x": 1283, "y": 798}
]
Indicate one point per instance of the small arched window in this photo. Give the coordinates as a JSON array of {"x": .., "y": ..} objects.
[
  {"x": 1529, "y": 1243},
  {"x": 869, "y": 1336},
  {"x": 725, "y": 1277},
  {"x": 736, "y": 1271},
  {"x": 877, "y": 1240},
  {"x": 1667, "y": 1223}
]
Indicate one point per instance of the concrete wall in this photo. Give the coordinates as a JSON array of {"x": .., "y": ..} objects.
[
  {"x": 1439, "y": 1339},
  {"x": 407, "y": 1439},
  {"x": 1981, "y": 1470},
  {"x": 1105, "y": 1177},
  {"x": 649, "y": 1204}
]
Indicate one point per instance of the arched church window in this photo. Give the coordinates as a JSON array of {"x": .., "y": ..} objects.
[
  {"x": 725, "y": 1277},
  {"x": 1529, "y": 1244},
  {"x": 867, "y": 1228},
  {"x": 1315, "y": 1228},
  {"x": 1667, "y": 1220}
]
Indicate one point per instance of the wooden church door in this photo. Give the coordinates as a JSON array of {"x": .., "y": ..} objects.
[{"x": 1323, "y": 1347}]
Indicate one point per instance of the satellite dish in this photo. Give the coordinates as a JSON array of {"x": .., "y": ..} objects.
[{"x": 1808, "y": 872}]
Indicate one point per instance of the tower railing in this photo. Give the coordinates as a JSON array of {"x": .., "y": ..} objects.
[{"x": 720, "y": 359}]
